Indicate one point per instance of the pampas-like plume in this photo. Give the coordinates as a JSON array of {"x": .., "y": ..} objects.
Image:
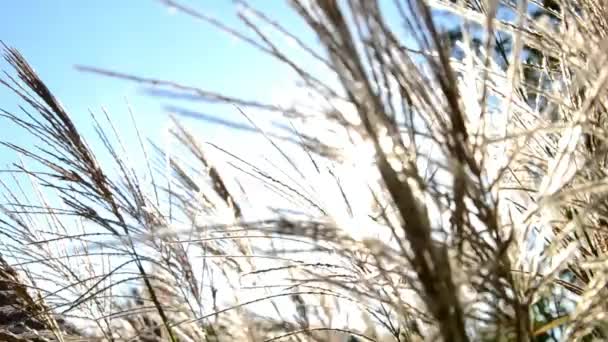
[{"x": 437, "y": 189}]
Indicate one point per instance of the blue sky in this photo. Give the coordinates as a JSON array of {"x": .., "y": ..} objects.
[{"x": 142, "y": 37}]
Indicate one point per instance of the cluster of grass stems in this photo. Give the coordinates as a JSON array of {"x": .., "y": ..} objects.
[{"x": 428, "y": 190}]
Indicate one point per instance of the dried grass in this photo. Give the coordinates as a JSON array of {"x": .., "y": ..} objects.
[{"x": 442, "y": 192}]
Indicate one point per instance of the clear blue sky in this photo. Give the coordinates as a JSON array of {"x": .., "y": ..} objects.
[
  {"x": 145, "y": 38},
  {"x": 137, "y": 36}
]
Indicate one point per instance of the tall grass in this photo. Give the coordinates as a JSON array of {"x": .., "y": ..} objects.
[{"x": 427, "y": 190}]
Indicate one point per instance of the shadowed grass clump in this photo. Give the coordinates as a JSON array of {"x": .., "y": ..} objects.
[{"x": 424, "y": 186}]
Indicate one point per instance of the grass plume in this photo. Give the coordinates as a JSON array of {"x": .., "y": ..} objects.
[{"x": 424, "y": 188}]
